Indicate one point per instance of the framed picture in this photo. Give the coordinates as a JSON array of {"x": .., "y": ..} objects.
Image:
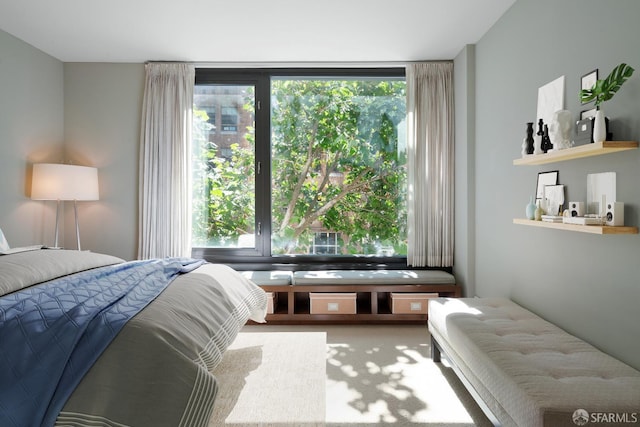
[
  {"x": 588, "y": 80},
  {"x": 550, "y": 100},
  {"x": 585, "y": 114},
  {"x": 544, "y": 179},
  {"x": 554, "y": 198}
]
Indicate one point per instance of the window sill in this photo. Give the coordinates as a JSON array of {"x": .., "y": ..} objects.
[{"x": 305, "y": 262}]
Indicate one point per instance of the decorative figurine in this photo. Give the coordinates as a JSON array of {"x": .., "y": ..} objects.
[
  {"x": 538, "y": 139},
  {"x": 540, "y": 127},
  {"x": 560, "y": 129},
  {"x": 546, "y": 141}
]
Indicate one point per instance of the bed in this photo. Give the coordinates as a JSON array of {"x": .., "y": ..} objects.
[{"x": 88, "y": 339}]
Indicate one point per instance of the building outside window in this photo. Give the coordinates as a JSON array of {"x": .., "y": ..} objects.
[
  {"x": 229, "y": 119},
  {"x": 325, "y": 243}
]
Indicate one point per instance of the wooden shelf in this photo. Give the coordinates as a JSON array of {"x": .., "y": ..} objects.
[
  {"x": 292, "y": 306},
  {"x": 593, "y": 229},
  {"x": 587, "y": 150}
]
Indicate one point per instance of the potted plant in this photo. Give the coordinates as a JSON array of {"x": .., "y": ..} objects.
[{"x": 601, "y": 91}]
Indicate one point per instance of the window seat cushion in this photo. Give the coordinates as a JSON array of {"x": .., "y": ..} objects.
[
  {"x": 269, "y": 278},
  {"x": 373, "y": 277}
]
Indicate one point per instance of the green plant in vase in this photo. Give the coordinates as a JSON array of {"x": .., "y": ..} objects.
[{"x": 601, "y": 91}]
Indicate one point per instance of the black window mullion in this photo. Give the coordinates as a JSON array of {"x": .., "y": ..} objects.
[{"x": 263, "y": 160}]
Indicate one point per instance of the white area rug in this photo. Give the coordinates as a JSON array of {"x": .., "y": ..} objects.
[
  {"x": 379, "y": 375},
  {"x": 272, "y": 379}
]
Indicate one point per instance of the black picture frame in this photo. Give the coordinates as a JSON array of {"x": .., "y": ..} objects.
[
  {"x": 585, "y": 114},
  {"x": 544, "y": 179},
  {"x": 588, "y": 80}
]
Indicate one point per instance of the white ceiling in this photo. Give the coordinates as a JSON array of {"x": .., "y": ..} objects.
[{"x": 250, "y": 30}]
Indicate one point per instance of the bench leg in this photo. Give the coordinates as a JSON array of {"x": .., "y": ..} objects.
[{"x": 435, "y": 350}]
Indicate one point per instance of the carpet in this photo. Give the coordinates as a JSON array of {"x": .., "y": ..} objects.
[
  {"x": 380, "y": 375},
  {"x": 272, "y": 379}
]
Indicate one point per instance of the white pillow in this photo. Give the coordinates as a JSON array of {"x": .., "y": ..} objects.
[{"x": 4, "y": 245}]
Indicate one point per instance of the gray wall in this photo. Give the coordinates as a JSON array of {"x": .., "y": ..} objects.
[
  {"x": 31, "y": 131},
  {"x": 587, "y": 284},
  {"x": 464, "y": 254},
  {"x": 102, "y": 106},
  {"x": 86, "y": 114}
]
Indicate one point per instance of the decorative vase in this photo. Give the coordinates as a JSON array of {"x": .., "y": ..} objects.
[
  {"x": 531, "y": 209},
  {"x": 599, "y": 127},
  {"x": 537, "y": 144},
  {"x": 538, "y": 212},
  {"x": 529, "y": 138}
]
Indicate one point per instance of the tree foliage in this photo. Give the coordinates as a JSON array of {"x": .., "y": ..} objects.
[
  {"x": 336, "y": 163},
  {"x": 337, "y": 166},
  {"x": 223, "y": 188}
]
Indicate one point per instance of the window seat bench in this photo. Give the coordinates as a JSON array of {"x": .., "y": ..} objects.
[
  {"x": 524, "y": 371},
  {"x": 372, "y": 291}
]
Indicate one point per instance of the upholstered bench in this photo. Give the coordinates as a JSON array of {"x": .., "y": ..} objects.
[
  {"x": 269, "y": 278},
  {"x": 273, "y": 282},
  {"x": 525, "y": 371},
  {"x": 381, "y": 295},
  {"x": 373, "y": 277}
]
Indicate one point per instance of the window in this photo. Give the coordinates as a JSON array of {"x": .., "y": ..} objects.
[
  {"x": 316, "y": 166},
  {"x": 325, "y": 243},
  {"x": 223, "y": 203},
  {"x": 229, "y": 119}
]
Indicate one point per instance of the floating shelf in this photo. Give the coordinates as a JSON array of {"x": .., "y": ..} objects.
[
  {"x": 587, "y": 150},
  {"x": 593, "y": 229}
]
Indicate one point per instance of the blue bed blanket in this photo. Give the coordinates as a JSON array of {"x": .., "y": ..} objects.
[{"x": 52, "y": 333}]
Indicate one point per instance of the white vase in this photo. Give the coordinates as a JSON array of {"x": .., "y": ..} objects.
[
  {"x": 537, "y": 144},
  {"x": 599, "y": 127}
]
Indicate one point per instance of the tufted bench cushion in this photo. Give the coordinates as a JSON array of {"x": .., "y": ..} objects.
[
  {"x": 269, "y": 278},
  {"x": 373, "y": 277},
  {"x": 526, "y": 370}
]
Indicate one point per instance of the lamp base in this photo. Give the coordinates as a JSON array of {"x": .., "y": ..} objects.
[
  {"x": 75, "y": 210},
  {"x": 55, "y": 244}
]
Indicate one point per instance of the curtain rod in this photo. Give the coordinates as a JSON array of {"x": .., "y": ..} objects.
[{"x": 303, "y": 64}]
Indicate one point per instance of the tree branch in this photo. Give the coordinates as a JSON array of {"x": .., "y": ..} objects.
[
  {"x": 308, "y": 220},
  {"x": 301, "y": 178}
]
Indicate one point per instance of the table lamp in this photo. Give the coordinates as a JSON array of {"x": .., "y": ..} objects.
[{"x": 62, "y": 182}]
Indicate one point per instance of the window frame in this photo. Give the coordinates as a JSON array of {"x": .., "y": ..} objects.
[{"x": 260, "y": 257}]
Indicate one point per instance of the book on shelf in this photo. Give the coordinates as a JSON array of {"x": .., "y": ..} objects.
[
  {"x": 580, "y": 220},
  {"x": 552, "y": 218}
]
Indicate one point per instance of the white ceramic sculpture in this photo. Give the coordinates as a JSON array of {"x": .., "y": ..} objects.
[{"x": 560, "y": 130}]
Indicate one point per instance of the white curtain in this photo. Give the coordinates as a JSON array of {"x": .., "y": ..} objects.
[
  {"x": 165, "y": 172},
  {"x": 430, "y": 137}
]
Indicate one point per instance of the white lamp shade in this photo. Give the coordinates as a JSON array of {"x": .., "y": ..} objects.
[{"x": 52, "y": 181}]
